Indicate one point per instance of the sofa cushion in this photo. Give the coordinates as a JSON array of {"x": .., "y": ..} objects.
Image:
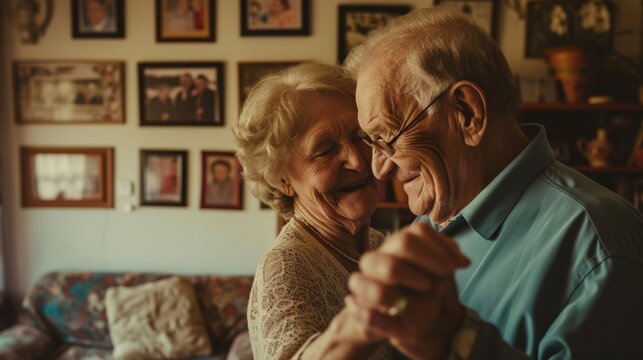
[
  {"x": 70, "y": 306},
  {"x": 157, "y": 320},
  {"x": 241, "y": 348}
]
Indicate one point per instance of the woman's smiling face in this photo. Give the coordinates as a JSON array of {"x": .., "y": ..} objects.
[{"x": 329, "y": 166}]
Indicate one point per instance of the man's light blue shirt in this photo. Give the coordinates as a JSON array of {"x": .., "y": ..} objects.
[{"x": 557, "y": 263}]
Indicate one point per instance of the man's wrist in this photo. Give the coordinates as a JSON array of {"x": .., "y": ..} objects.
[{"x": 465, "y": 336}]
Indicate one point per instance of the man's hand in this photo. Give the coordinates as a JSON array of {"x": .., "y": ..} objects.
[{"x": 416, "y": 263}]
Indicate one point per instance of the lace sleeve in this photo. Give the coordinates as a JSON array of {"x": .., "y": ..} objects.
[{"x": 284, "y": 309}]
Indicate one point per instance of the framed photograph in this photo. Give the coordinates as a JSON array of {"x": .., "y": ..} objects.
[
  {"x": 164, "y": 177},
  {"x": 185, "y": 20},
  {"x": 356, "y": 21},
  {"x": 63, "y": 92},
  {"x": 67, "y": 177},
  {"x": 483, "y": 12},
  {"x": 250, "y": 73},
  {"x": 275, "y": 17},
  {"x": 221, "y": 181},
  {"x": 556, "y": 23},
  {"x": 181, "y": 94},
  {"x": 98, "y": 19}
]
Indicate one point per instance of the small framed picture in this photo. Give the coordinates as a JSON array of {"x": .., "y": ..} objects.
[
  {"x": 483, "y": 12},
  {"x": 251, "y": 72},
  {"x": 164, "y": 177},
  {"x": 221, "y": 182},
  {"x": 67, "y": 177},
  {"x": 98, "y": 19},
  {"x": 356, "y": 21},
  {"x": 63, "y": 92},
  {"x": 556, "y": 23},
  {"x": 181, "y": 94},
  {"x": 275, "y": 17},
  {"x": 185, "y": 20}
]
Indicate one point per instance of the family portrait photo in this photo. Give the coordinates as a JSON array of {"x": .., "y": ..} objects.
[
  {"x": 275, "y": 17},
  {"x": 164, "y": 177},
  {"x": 98, "y": 19},
  {"x": 66, "y": 177},
  {"x": 181, "y": 94},
  {"x": 357, "y": 21},
  {"x": 185, "y": 20},
  {"x": 222, "y": 185},
  {"x": 69, "y": 92}
]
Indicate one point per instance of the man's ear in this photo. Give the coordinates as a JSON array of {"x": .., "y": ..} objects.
[
  {"x": 471, "y": 105},
  {"x": 286, "y": 188}
]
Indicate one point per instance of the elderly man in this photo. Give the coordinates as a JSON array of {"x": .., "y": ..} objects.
[{"x": 515, "y": 255}]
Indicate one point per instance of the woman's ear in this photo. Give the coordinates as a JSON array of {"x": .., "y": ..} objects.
[
  {"x": 471, "y": 105},
  {"x": 286, "y": 188}
]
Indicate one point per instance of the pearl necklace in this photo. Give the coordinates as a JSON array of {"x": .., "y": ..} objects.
[{"x": 319, "y": 236}]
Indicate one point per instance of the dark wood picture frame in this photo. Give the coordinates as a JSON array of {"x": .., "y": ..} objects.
[
  {"x": 490, "y": 24},
  {"x": 101, "y": 183},
  {"x": 207, "y": 21},
  {"x": 96, "y": 95},
  {"x": 198, "y": 109},
  {"x": 231, "y": 189},
  {"x": 249, "y": 73},
  {"x": 249, "y": 29},
  {"x": 360, "y": 32},
  {"x": 113, "y": 19},
  {"x": 177, "y": 178}
]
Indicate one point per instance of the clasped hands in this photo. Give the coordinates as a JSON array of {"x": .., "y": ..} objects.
[{"x": 405, "y": 292}]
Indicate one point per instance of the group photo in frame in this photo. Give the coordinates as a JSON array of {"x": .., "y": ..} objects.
[
  {"x": 164, "y": 177},
  {"x": 63, "y": 92},
  {"x": 98, "y": 19},
  {"x": 355, "y": 22},
  {"x": 483, "y": 12},
  {"x": 67, "y": 177},
  {"x": 185, "y": 20},
  {"x": 221, "y": 181},
  {"x": 275, "y": 17},
  {"x": 249, "y": 73},
  {"x": 181, "y": 94}
]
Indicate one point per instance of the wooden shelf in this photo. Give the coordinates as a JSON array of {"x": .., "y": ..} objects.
[
  {"x": 609, "y": 170},
  {"x": 558, "y": 106},
  {"x": 392, "y": 205}
]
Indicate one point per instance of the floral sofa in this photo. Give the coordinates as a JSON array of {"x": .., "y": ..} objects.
[{"x": 63, "y": 316}]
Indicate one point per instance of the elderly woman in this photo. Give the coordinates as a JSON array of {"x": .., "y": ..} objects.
[{"x": 302, "y": 155}]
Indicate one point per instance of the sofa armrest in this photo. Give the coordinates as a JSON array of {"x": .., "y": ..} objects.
[{"x": 25, "y": 342}]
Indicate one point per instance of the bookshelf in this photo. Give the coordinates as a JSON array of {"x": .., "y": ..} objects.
[{"x": 567, "y": 123}]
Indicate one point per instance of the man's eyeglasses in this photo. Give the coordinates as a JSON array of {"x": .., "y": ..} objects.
[{"x": 386, "y": 147}]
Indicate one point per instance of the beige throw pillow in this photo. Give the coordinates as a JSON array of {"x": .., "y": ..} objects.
[{"x": 157, "y": 320}]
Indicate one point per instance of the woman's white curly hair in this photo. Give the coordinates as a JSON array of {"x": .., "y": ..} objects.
[{"x": 271, "y": 118}]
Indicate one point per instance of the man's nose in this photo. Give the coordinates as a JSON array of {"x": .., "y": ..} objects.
[{"x": 383, "y": 167}]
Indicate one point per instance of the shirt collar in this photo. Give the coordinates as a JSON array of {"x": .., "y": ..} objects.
[{"x": 491, "y": 206}]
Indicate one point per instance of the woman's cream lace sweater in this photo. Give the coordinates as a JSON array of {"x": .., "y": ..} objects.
[{"x": 298, "y": 288}]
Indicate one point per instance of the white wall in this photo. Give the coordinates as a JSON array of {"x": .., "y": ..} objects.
[{"x": 184, "y": 240}]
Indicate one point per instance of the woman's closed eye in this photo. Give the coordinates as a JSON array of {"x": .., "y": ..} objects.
[{"x": 324, "y": 150}]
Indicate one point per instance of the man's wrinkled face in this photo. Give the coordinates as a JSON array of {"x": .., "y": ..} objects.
[{"x": 426, "y": 157}]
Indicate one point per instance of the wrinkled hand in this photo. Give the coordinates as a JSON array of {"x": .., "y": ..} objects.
[{"x": 418, "y": 263}]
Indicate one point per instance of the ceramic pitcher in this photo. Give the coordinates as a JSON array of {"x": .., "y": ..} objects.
[{"x": 597, "y": 151}]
